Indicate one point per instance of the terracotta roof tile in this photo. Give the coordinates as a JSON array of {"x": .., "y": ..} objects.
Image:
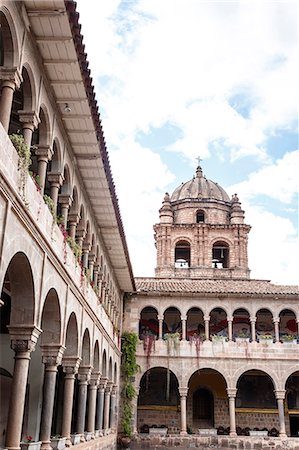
[{"x": 246, "y": 287}]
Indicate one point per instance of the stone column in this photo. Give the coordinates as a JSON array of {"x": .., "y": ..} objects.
[
  {"x": 134, "y": 409},
  {"x": 80, "y": 234},
  {"x": 298, "y": 327},
  {"x": 30, "y": 122},
  {"x": 93, "y": 386},
  {"x": 96, "y": 275},
  {"x": 70, "y": 367},
  {"x": 51, "y": 357},
  {"x": 230, "y": 328},
  {"x": 55, "y": 180},
  {"x": 184, "y": 320},
  {"x": 73, "y": 221},
  {"x": 44, "y": 154},
  {"x": 280, "y": 396},
  {"x": 100, "y": 405},
  {"x": 183, "y": 394},
  {"x": 276, "y": 328},
  {"x": 86, "y": 249},
  {"x": 107, "y": 406},
  {"x": 11, "y": 80},
  {"x": 207, "y": 327},
  {"x": 65, "y": 201},
  {"x": 160, "y": 318},
  {"x": 91, "y": 258},
  {"x": 23, "y": 342},
  {"x": 232, "y": 413},
  {"x": 252, "y": 323},
  {"x": 113, "y": 409},
  {"x": 83, "y": 377}
]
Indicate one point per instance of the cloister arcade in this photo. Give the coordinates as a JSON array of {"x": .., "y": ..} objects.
[{"x": 241, "y": 322}]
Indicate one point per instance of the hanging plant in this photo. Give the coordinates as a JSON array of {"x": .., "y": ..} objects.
[
  {"x": 50, "y": 204},
  {"x": 129, "y": 368},
  {"x": 148, "y": 346},
  {"x": 196, "y": 339},
  {"x": 173, "y": 348},
  {"x": 36, "y": 179},
  {"x": 65, "y": 236},
  {"x": 24, "y": 160},
  {"x": 77, "y": 250}
]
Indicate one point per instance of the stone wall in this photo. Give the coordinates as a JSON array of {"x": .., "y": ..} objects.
[{"x": 171, "y": 419}]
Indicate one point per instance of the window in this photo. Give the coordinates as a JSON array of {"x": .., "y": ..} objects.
[
  {"x": 200, "y": 217},
  {"x": 182, "y": 255},
  {"x": 220, "y": 255}
]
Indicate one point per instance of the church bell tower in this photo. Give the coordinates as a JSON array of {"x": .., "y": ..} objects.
[{"x": 201, "y": 233}]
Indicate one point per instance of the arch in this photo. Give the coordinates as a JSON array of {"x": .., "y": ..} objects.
[
  {"x": 200, "y": 216},
  {"x": 9, "y": 51},
  {"x": 115, "y": 373},
  {"x": 104, "y": 364},
  {"x": 51, "y": 319},
  {"x": 218, "y": 322},
  {"x": 71, "y": 338},
  {"x": 241, "y": 323},
  {"x": 19, "y": 286},
  {"x": 29, "y": 91},
  {"x": 44, "y": 128},
  {"x": 172, "y": 320},
  {"x": 195, "y": 322},
  {"x": 255, "y": 389},
  {"x": 66, "y": 187},
  {"x": 110, "y": 373},
  {"x": 96, "y": 357},
  {"x": 264, "y": 322},
  {"x": 292, "y": 402},
  {"x": 85, "y": 355},
  {"x": 287, "y": 323},
  {"x": 220, "y": 255},
  {"x": 74, "y": 209},
  {"x": 206, "y": 392},
  {"x": 148, "y": 324},
  {"x": 56, "y": 161},
  {"x": 182, "y": 254},
  {"x": 158, "y": 386}
]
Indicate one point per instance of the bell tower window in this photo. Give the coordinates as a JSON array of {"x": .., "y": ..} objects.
[
  {"x": 220, "y": 255},
  {"x": 200, "y": 217},
  {"x": 182, "y": 255}
]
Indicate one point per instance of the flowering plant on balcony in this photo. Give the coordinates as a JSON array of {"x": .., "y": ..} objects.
[
  {"x": 266, "y": 336},
  {"x": 288, "y": 338},
  {"x": 27, "y": 439},
  {"x": 219, "y": 338}
]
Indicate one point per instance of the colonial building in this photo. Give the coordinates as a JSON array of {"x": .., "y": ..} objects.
[
  {"x": 64, "y": 263},
  {"x": 219, "y": 352}
]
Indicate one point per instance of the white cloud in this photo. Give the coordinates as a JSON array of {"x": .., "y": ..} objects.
[{"x": 278, "y": 181}]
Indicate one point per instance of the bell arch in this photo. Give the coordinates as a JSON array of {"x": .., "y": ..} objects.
[
  {"x": 9, "y": 52},
  {"x": 51, "y": 319}
]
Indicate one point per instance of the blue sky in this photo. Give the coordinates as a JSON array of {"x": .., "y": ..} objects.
[{"x": 178, "y": 79}]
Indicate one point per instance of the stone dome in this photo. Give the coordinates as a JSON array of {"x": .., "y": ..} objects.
[{"x": 199, "y": 188}]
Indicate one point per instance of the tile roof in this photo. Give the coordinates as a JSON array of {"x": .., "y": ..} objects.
[{"x": 223, "y": 287}]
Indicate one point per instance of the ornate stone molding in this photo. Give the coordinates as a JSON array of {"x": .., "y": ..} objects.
[
  {"x": 29, "y": 117},
  {"x": 23, "y": 337},
  {"x": 71, "y": 364},
  {"x": 231, "y": 392},
  {"x": 183, "y": 391},
  {"x": 84, "y": 373},
  {"x": 280, "y": 394},
  {"x": 55, "y": 178},
  {"x": 11, "y": 75},
  {"x": 52, "y": 354},
  {"x": 44, "y": 152}
]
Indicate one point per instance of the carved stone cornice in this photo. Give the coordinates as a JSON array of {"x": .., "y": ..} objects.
[
  {"x": 113, "y": 390},
  {"x": 95, "y": 378},
  {"x": 29, "y": 117},
  {"x": 52, "y": 354},
  {"x": 231, "y": 392},
  {"x": 71, "y": 364},
  {"x": 11, "y": 75},
  {"x": 23, "y": 337},
  {"x": 183, "y": 391},
  {"x": 55, "y": 178},
  {"x": 65, "y": 200},
  {"x": 109, "y": 387},
  {"x": 44, "y": 152},
  {"x": 84, "y": 373},
  {"x": 280, "y": 394}
]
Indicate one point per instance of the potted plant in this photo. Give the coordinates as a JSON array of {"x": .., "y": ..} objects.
[
  {"x": 58, "y": 442},
  {"x": 288, "y": 339},
  {"x": 218, "y": 338},
  {"x": 242, "y": 336},
  {"x": 75, "y": 438},
  {"x": 29, "y": 443},
  {"x": 265, "y": 338}
]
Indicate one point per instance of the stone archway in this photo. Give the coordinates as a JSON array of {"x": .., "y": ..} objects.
[{"x": 203, "y": 408}]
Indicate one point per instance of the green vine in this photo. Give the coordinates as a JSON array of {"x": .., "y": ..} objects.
[
  {"x": 129, "y": 368},
  {"x": 24, "y": 160},
  {"x": 77, "y": 250},
  {"x": 49, "y": 202}
]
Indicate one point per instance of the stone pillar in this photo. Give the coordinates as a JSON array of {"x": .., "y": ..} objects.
[
  {"x": 73, "y": 221},
  {"x": 183, "y": 394},
  {"x": 280, "y": 396},
  {"x": 113, "y": 409},
  {"x": 23, "y": 342},
  {"x": 51, "y": 357},
  {"x": 96, "y": 276},
  {"x": 230, "y": 328},
  {"x": 100, "y": 405},
  {"x": 134, "y": 409},
  {"x": 232, "y": 413},
  {"x": 91, "y": 258},
  {"x": 207, "y": 327},
  {"x": 65, "y": 201},
  {"x": 83, "y": 377},
  {"x": 184, "y": 320},
  {"x": 30, "y": 122},
  {"x": 298, "y": 327},
  {"x": 44, "y": 154},
  {"x": 70, "y": 367},
  {"x": 11, "y": 80},
  {"x": 160, "y": 318},
  {"x": 80, "y": 234},
  {"x": 252, "y": 323},
  {"x": 86, "y": 248},
  {"x": 276, "y": 328},
  {"x": 93, "y": 386},
  {"x": 55, "y": 180},
  {"x": 107, "y": 406}
]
